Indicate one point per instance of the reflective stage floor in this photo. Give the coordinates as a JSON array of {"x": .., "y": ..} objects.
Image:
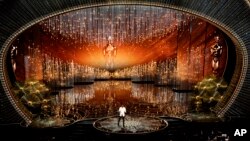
[
  {"x": 78, "y": 108},
  {"x": 103, "y": 98}
]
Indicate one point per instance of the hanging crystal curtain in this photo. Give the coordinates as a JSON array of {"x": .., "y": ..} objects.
[
  {"x": 58, "y": 73},
  {"x": 83, "y": 73},
  {"x": 144, "y": 72},
  {"x": 166, "y": 72},
  {"x": 160, "y": 45}
]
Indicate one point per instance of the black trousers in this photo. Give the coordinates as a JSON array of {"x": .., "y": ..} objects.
[{"x": 123, "y": 120}]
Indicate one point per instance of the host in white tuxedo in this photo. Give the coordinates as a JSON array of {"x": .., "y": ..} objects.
[{"x": 122, "y": 112}]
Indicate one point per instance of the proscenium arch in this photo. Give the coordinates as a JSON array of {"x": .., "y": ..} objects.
[{"x": 241, "y": 49}]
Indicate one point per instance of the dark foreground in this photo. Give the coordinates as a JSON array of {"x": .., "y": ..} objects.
[{"x": 178, "y": 130}]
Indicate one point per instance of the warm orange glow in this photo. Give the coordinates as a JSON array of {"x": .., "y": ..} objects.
[
  {"x": 139, "y": 37},
  {"x": 126, "y": 55}
]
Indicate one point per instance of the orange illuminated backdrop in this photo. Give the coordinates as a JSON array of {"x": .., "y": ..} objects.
[{"x": 140, "y": 33}]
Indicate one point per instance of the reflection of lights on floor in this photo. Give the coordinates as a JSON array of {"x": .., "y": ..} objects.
[
  {"x": 102, "y": 99},
  {"x": 49, "y": 122}
]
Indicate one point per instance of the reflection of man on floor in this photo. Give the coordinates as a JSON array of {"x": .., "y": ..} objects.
[{"x": 122, "y": 111}]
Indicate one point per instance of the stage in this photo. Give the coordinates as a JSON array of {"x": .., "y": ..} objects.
[{"x": 133, "y": 125}]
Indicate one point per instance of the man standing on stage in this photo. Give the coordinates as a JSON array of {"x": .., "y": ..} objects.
[{"x": 122, "y": 111}]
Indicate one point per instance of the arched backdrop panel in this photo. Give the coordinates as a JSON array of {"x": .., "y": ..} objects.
[{"x": 228, "y": 15}]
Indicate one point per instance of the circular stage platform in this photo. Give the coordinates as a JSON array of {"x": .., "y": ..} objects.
[{"x": 133, "y": 125}]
